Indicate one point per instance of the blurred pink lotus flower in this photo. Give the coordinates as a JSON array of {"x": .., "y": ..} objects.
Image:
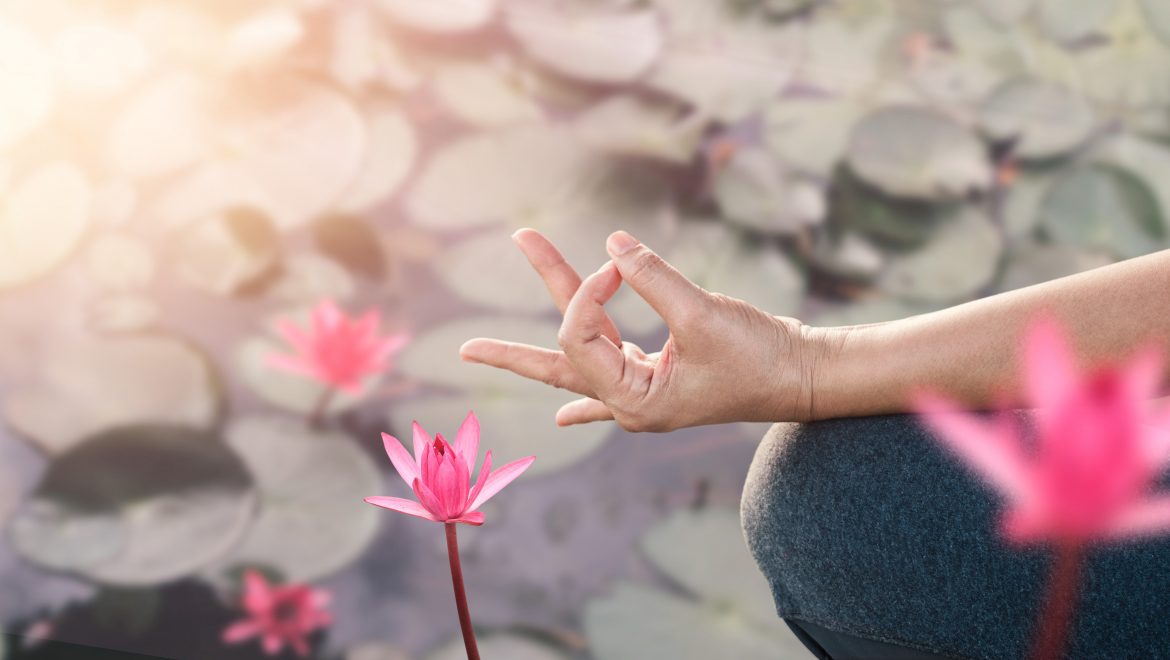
[
  {"x": 440, "y": 475},
  {"x": 279, "y": 615},
  {"x": 1098, "y": 450},
  {"x": 336, "y": 349}
]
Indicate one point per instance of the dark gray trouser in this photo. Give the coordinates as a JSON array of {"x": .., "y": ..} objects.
[{"x": 867, "y": 527}]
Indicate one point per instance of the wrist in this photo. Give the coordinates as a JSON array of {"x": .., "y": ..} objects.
[{"x": 832, "y": 365}]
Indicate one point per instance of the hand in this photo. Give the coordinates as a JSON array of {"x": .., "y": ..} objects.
[{"x": 724, "y": 360}]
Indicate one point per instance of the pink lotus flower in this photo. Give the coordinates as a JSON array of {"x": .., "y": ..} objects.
[
  {"x": 279, "y": 615},
  {"x": 335, "y": 349},
  {"x": 1097, "y": 453},
  {"x": 440, "y": 475}
]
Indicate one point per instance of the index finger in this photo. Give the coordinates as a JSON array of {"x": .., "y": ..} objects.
[{"x": 559, "y": 277}]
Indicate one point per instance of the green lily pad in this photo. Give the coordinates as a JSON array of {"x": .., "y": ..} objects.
[
  {"x": 307, "y": 278},
  {"x": 953, "y": 78},
  {"x": 754, "y": 191},
  {"x": 1022, "y": 202},
  {"x": 1146, "y": 159},
  {"x": 849, "y": 255},
  {"x": 959, "y": 259},
  {"x": 98, "y": 60},
  {"x": 917, "y": 153},
  {"x": 377, "y": 651},
  {"x": 488, "y": 270},
  {"x": 390, "y": 156},
  {"x": 1158, "y": 14},
  {"x": 311, "y": 519},
  {"x": 124, "y": 313},
  {"x": 484, "y": 95},
  {"x": 1044, "y": 119},
  {"x": 119, "y": 262},
  {"x": 901, "y": 223},
  {"x": 97, "y": 384},
  {"x": 114, "y": 203},
  {"x": 811, "y": 134},
  {"x": 162, "y": 128},
  {"x": 352, "y": 243},
  {"x": 517, "y": 415},
  {"x": 363, "y": 55},
  {"x": 1129, "y": 68},
  {"x": 633, "y": 622},
  {"x": 42, "y": 220},
  {"x": 704, "y": 552},
  {"x": 1035, "y": 263},
  {"x": 178, "y": 498},
  {"x": 1105, "y": 207},
  {"x": 27, "y": 78},
  {"x": 625, "y": 124},
  {"x": 1070, "y": 20},
  {"x": 229, "y": 253},
  {"x": 1006, "y": 11},
  {"x": 499, "y": 645},
  {"x": 580, "y": 44},
  {"x": 441, "y": 17},
  {"x": 843, "y": 56}
]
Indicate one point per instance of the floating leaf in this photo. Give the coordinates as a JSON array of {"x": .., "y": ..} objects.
[
  {"x": 625, "y": 124},
  {"x": 1035, "y": 263},
  {"x": 41, "y": 221},
  {"x": 87, "y": 387},
  {"x": 517, "y": 414},
  {"x": 960, "y": 258},
  {"x": 1146, "y": 159},
  {"x": 811, "y": 134},
  {"x": 950, "y": 78},
  {"x": 363, "y": 54},
  {"x": 848, "y": 255},
  {"x": 1042, "y": 119},
  {"x": 488, "y": 270},
  {"x": 311, "y": 519},
  {"x": 124, "y": 313},
  {"x": 162, "y": 129},
  {"x": 114, "y": 203},
  {"x": 604, "y": 47},
  {"x": 754, "y": 191},
  {"x": 120, "y": 262},
  {"x": 1022, "y": 202},
  {"x": 634, "y": 622},
  {"x": 446, "y": 16},
  {"x": 307, "y": 278},
  {"x": 484, "y": 95},
  {"x": 178, "y": 497},
  {"x": 27, "y": 83},
  {"x": 1006, "y": 11},
  {"x": 1105, "y": 207},
  {"x": 352, "y": 243},
  {"x": 263, "y": 37},
  {"x": 499, "y": 645},
  {"x": 389, "y": 158},
  {"x": 917, "y": 153},
  {"x": 98, "y": 59},
  {"x": 1158, "y": 15},
  {"x": 290, "y": 151},
  {"x": 228, "y": 253},
  {"x": 845, "y": 57},
  {"x": 377, "y": 651},
  {"x": 888, "y": 220},
  {"x": 1070, "y": 20},
  {"x": 1130, "y": 68}
]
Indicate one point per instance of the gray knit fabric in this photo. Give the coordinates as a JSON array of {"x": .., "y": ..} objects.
[{"x": 868, "y": 527}]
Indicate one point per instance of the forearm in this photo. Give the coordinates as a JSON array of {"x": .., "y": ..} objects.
[{"x": 970, "y": 351}]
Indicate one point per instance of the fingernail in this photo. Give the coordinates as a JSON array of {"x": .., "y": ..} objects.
[
  {"x": 620, "y": 243},
  {"x": 516, "y": 235}
]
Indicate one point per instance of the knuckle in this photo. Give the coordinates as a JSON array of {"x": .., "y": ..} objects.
[
  {"x": 646, "y": 265},
  {"x": 563, "y": 339}
]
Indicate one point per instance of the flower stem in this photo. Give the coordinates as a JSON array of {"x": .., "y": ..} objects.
[
  {"x": 460, "y": 593},
  {"x": 316, "y": 416},
  {"x": 1052, "y": 637}
]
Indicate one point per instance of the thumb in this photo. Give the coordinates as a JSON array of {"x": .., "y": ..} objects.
[{"x": 668, "y": 291}]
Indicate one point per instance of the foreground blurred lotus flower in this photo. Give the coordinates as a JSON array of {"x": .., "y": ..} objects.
[
  {"x": 1088, "y": 477},
  {"x": 336, "y": 350},
  {"x": 279, "y": 615},
  {"x": 440, "y": 475}
]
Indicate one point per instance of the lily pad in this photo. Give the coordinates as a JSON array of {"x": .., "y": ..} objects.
[
  {"x": 848, "y": 255},
  {"x": 114, "y": 203},
  {"x": 120, "y": 262},
  {"x": 917, "y": 153},
  {"x": 377, "y": 651},
  {"x": 1128, "y": 68},
  {"x": 229, "y": 252},
  {"x": 1022, "y": 202},
  {"x": 97, "y": 59},
  {"x": 262, "y": 38},
  {"x": 124, "y": 313},
  {"x": 844, "y": 56},
  {"x": 87, "y": 387},
  {"x": 517, "y": 415},
  {"x": 625, "y": 124},
  {"x": 1006, "y": 11},
  {"x": 162, "y": 128},
  {"x": 634, "y": 621},
  {"x": 311, "y": 519},
  {"x": 1042, "y": 119},
  {"x": 352, "y": 243},
  {"x": 178, "y": 498},
  {"x": 1104, "y": 207},
  {"x": 753, "y": 190},
  {"x": 27, "y": 80},
  {"x": 960, "y": 258},
  {"x": 901, "y": 223},
  {"x": 389, "y": 158},
  {"x": 581, "y": 44},
  {"x": 1070, "y": 20},
  {"x": 41, "y": 222},
  {"x": 1035, "y": 263},
  {"x": 307, "y": 278},
  {"x": 1158, "y": 14},
  {"x": 499, "y": 645},
  {"x": 442, "y": 17},
  {"x": 1142, "y": 158},
  {"x": 811, "y": 134},
  {"x": 487, "y": 270},
  {"x": 484, "y": 95}
]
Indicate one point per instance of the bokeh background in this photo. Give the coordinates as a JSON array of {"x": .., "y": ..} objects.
[{"x": 176, "y": 174}]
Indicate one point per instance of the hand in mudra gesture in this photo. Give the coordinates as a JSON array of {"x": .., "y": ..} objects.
[{"x": 724, "y": 360}]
